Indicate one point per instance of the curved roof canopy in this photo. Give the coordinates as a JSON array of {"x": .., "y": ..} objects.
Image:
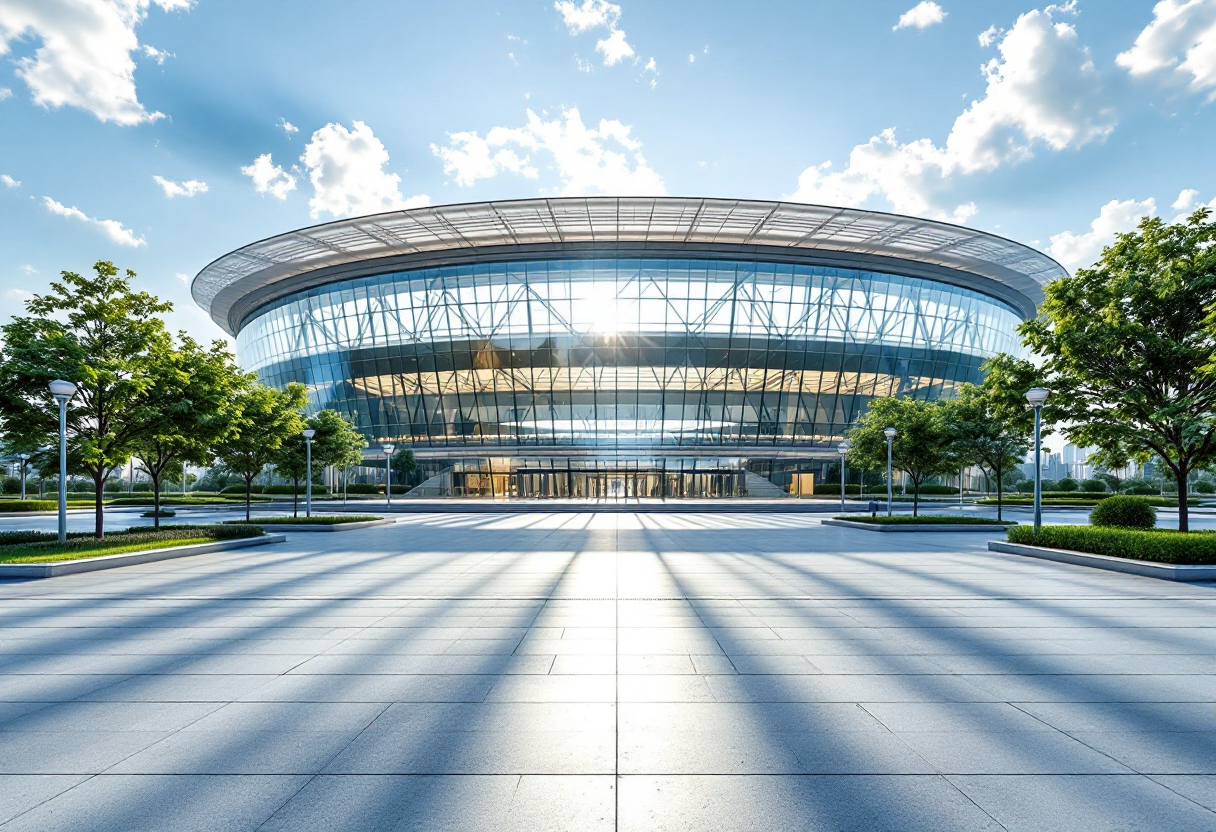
[{"x": 237, "y": 283}]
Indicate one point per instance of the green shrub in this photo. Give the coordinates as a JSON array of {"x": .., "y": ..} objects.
[
  {"x": 142, "y": 487},
  {"x": 134, "y": 534},
  {"x": 240, "y": 489},
  {"x": 1093, "y": 486},
  {"x": 113, "y": 486},
  {"x": 1123, "y": 512},
  {"x": 1067, "y": 484},
  {"x": 29, "y": 505},
  {"x": 1204, "y": 487},
  {"x": 1158, "y": 545},
  {"x": 362, "y": 488},
  {"x": 928, "y": 490},
  {"x": 287, "y": 489},
  {"x": 1049, "y": 485},
  {"x": 1026, "y": 487},
  {"x": 164, "y": 512},
  {"x": 10, "y": 485}
]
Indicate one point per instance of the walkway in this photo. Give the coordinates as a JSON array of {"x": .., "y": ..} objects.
[{"x": 599, "y": 672}]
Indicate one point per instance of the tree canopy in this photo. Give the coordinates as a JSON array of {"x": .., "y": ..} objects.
[
  {"x": 260, "y": 421},
  {"x": 97, "y": 332},
  {"x": 987, "y": 429},
  {"x": 923, "y": 445},
  {"x": 336, "y": 442},
  {"x": 1129, "y": 349}
]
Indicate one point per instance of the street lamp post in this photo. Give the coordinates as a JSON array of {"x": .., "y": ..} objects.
[
  {"x": 843, "y": 449},
  {"x": 1036, "y": 396},
  {"x": 63, "y": 392},
  {"x": 389, "y": 447},
  {"x": 24, "y": 459},
  {"x": 890, "y": 434},
  {"x": 308, "y": 435}
]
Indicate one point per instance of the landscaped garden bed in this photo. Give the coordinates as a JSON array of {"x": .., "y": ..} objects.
[
  {"x": 918, "y": 523},
  {"x": 23, "y": 506},
  {"x": 316, "y": 520},
  {"x": 1156, "y": 545},
  {"x": 44, "y": 547},
  {"x": 1083, "y": 501}
]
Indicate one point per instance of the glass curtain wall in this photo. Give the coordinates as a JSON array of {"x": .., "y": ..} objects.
[{"x": 623, "y": 352}]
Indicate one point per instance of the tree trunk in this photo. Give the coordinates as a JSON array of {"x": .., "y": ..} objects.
[
  {"x": 99, "y": 504},
  {"x": 999, "y": 491},
  {"x": 155, "y": 498},
  {"x": 915, "y": 497},
  {"x": 295, "y": 496},
  {"x": 1183, "y": 510},
  {"x": 248, "y": 485}
]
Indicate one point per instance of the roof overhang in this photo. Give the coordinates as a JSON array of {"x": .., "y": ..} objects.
[{"x": 237, "y": 284}]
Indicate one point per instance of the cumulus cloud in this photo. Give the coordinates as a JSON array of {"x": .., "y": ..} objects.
[
  {"x": 287, "y": 127},
  {"x": 84, "y": 57},
  {"x": 1188, "y": 202},
  {"x": 5, "y": 93},
  {"x": 989, "y": 36},
  {"x": 1043, "y": 89},
  {"x": 598, "y": 14},
  {"x": 1115, "y": 217},
  {"x": 921, "y": 16},
  {"x": 8, "y": 181},
  {"x": 269, "y": 178},
  {"x": 188, "y": 188},
  {"x": 602, "y": 160},
  {"x": 113, "y": 229},
  {"x": 1181, "y": 41},
  {"x": 651, "y": 69},
  {"x": 347, "y": 171}
]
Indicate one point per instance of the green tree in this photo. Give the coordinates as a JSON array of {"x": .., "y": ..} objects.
[
  {"x": 1128, "y": 352},
  {"x": 987, "y": 431},
  {"x": 97, "y": 332},
  {"x": 261, "y": 419},
  {"x": 923, "y": 446},
  {"x": 404, "y": 465},
  {"x": 336, "y": 442},
  {"x": 193, "y": 393}
]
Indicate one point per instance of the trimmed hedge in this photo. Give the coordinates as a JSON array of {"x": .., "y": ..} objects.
[
  {"x": 834, "y": 488},
  {"x": 11, "y": 542},
  {"x": 1094, "y": 486},
  {"x": 930, "y": 490},
  {"x": 922, "y": 520},
  {"x": 1083, "y": 501},
  {"x": 1124, "y": 512},
  {"x": 240, "y": 489},
  {"x": 29, "y": 505},
  {"x": 288, "y": 490},
  {"x": 1157, "y": 545},
  {"x": 316, "y": 520}
]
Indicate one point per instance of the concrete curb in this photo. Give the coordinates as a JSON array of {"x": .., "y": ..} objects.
[
  {"x": 927, "y": 527},
  {"x": 320, "y": 527},
  {"x": 72, "y": 567},
  {"x": 1144, "y": 568}
]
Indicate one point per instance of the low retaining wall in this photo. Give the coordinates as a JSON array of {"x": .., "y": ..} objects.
[
  {"x": 322, "y": 527},
  {"x": 1145, "y": 568},
  {"x": 71, "y": 567},
  {"x": 921, "y": 527}
]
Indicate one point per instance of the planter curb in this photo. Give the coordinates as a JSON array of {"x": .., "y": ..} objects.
[
  {"x": 321, "y": 527},
  {"x": 1144, "y": 568},
  {"x": 72, "y": 567},
  {"x": 926, "y": 527}
]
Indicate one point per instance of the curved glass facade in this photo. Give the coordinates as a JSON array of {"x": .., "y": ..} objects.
[{"x": 622, "y": 352}]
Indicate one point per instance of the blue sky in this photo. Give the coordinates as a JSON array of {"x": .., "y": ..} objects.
[{"x": 161, "y": 134}]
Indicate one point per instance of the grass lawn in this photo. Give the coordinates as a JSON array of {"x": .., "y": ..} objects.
[
  {"x": 316, "y": 520},
  {"x": 44, "y": 547},
  {"x": 922, "y": 520}
]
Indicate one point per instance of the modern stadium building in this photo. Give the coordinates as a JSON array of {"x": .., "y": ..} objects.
[{"x": 633, "y": 347}]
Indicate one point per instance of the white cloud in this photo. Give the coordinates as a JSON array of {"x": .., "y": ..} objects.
[
  {"x": 84, "y": 57},
  {"x": 269, "y": 178},
  {"x": 692, "y": 59},
  {"x": 28, "y": 269},
  {"x": 921, "y": 16},
  {"x": 155, "y": 54},
  {"x": 1043, "y": 89},
  {"x": 1188, "y": 202},
  {"x": 603, "y": 160},
  {"x": 347, "y": 171},
  {"x": 597, "y": 14},
  {"x": 614, "y": 47},
  {"x": 287, "y": 127},
  {"x": 183, "y": 277},
  {"x": 1180, "y": 39},
  {"x": 8, "y": 181},
  {"x": 989, "y": 36},
  {"x": 188, "y": 188},
  {"x": 592, "y": 14},
  {"x": 1116, "y": 217},
  {"x": 113, "y": 229},
  {"x": 18, "y": 295},
  {"x": 5, "y": 93},
  {"x": 651, "y": 67}
]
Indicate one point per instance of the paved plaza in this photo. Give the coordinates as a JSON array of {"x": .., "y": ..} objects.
[{"x": 584, "y": 671}]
